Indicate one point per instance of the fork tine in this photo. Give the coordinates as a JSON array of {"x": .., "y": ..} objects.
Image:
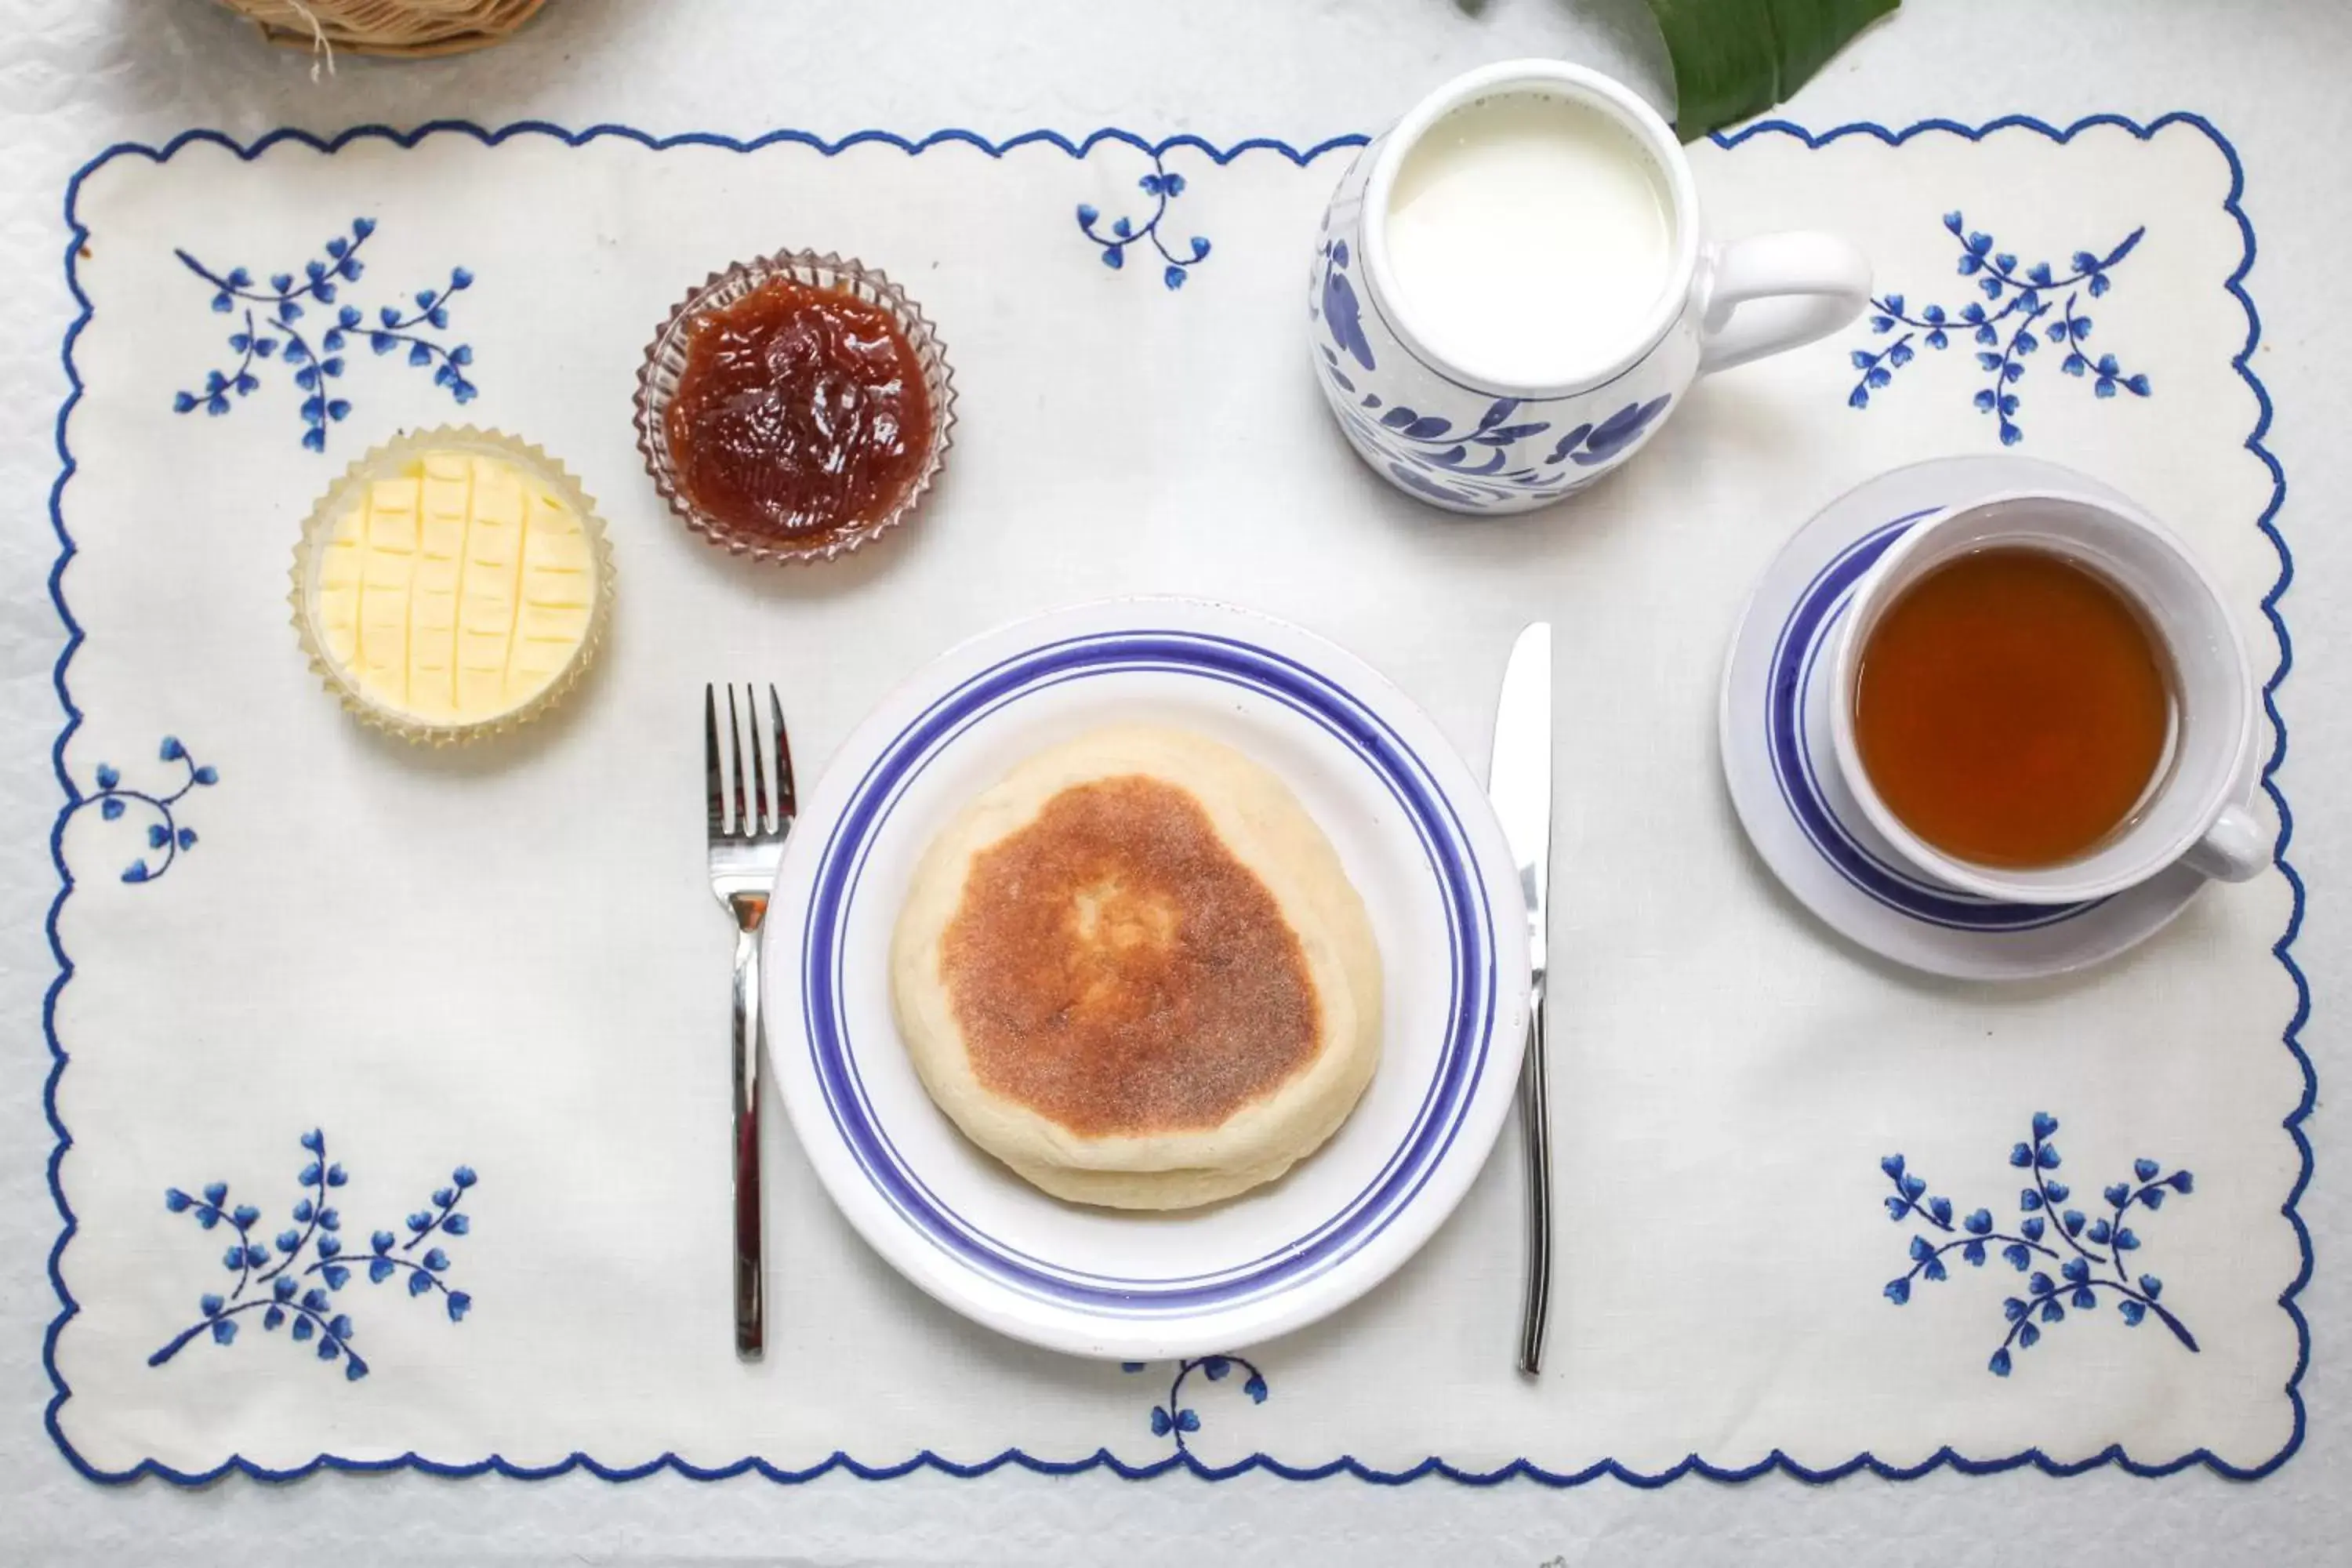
[
  {"x": 718, "y": 796},
  {"x": 787, "y": 800},
  {"x": 735, "y": 745},
  {"x": 763, "y": 815}
]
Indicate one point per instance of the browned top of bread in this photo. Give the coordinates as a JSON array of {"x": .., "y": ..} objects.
[{"x": 1113, "y": 966}]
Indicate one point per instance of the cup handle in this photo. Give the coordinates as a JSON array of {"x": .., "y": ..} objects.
[
  {"x": 1804, "y": 286},
  {"x": 2233, "y": 849}
]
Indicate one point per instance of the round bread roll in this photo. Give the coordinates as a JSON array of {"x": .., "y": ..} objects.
[{"x": 1135, "y": 971}]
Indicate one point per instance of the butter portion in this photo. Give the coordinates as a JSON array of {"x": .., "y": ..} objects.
[{"x": 456, "y": 589}]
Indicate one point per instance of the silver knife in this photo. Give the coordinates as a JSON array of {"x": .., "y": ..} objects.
[{"x": 1520, "y": 784}]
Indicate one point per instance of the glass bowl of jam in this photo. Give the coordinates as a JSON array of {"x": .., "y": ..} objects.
[{"x": 794, "y": 406}]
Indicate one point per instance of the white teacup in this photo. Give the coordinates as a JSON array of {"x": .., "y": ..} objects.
[
  {"x": 1512, "y": 289},
  {"x": 2195, "y": 812}
]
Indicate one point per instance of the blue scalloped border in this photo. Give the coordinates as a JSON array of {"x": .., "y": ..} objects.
[{"x": 2113, "y": 1454}]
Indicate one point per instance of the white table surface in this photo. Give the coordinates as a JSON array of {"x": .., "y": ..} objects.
[{"x": 78, "y": 75}]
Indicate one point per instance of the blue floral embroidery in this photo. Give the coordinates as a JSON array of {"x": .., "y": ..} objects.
[
  {"x": 165, "y": 833},
  {"x": 2003, "y": 355},
  {"x": 1177, "y": 1419},
  {"x": 314, "y": 1312},
  {"x": 2081, "y": 1277},
  {"x": 264, "y": 335},
  {"x": 1163, "y": 187}
]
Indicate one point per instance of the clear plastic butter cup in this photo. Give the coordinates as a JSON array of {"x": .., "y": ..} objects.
[{"x": 452, "y": 584}]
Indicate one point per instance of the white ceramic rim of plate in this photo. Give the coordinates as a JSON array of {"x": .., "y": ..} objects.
[
  {"x": 2042, "y": 940},
  {"x": 1058, "y": 1302}
]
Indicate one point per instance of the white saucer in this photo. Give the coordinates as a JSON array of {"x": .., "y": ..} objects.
[
  {"x": 1419, "y": 841},
  {"x": 1781, "y": 765}
]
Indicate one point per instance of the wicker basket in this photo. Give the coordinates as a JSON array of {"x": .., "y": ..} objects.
[{"x": 412, "y": 29}]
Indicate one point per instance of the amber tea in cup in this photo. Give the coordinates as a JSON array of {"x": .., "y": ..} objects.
[{"x": 2012, "y": 708}]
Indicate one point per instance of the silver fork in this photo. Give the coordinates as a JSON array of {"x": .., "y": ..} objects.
[{"x": 745, "y": 849}]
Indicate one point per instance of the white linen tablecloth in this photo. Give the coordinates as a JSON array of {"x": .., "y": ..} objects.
[{"x": 1450, "y": 674}]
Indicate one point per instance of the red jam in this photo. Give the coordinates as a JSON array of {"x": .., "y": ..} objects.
[{"x": 801, "y": 414}]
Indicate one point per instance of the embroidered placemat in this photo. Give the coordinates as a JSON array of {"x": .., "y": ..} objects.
[{"x": 391, "y": 1086}]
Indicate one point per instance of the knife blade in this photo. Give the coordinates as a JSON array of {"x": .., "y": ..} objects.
[{"x": 1519, "y": 782}]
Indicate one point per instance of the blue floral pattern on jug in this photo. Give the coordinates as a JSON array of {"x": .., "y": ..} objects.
[
  {"x": 275, "y": 331},
  {"x": 1502, "y": 456},
  {"x": 315, "y": 1311},
  {"x": 1162, "y": 187},
  {"x": 1177, "y": 1419},
  {"x": 1427, "y": 453},
  {"x": 2025, "y": 298},
  {"x": 166, "y": 832},
  {"x": 1342, "y": 314},
  {"x": 2082, "y": 1269}
]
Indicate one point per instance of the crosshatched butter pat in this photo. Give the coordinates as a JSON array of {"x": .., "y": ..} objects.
[{"x": 455, "y": 588}]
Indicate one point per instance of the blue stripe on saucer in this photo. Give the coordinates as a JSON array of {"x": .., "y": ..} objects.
[{"x": 1803, "y": 638}]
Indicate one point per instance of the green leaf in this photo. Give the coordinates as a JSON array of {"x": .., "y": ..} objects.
[{"x": 1734, "y": 58}]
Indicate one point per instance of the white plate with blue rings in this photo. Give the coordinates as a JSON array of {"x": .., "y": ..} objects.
[
  {"x": 1781, "y": 764},
  {"x": 1418, "y": 840}
]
